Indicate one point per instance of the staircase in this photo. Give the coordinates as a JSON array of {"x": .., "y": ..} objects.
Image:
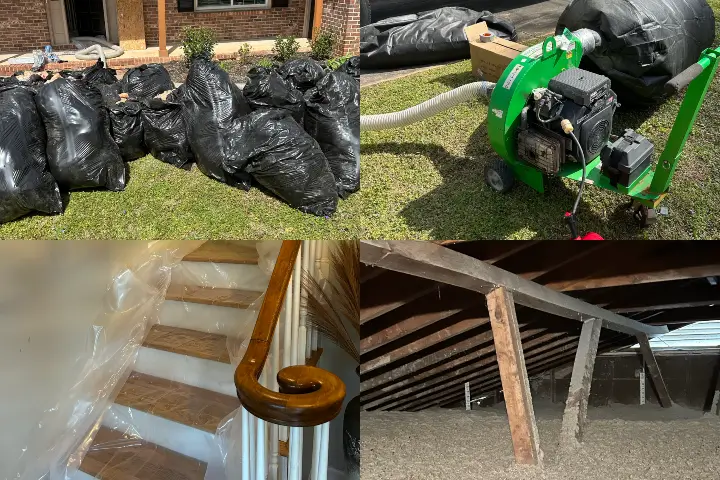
[{"x": 163, "y": 420}]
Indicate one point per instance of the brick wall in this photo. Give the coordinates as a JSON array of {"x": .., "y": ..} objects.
[
  {"x": 24, "y": 26},
  {"x": 232, "y": 25},
  {"x": 343, "y": 17}
]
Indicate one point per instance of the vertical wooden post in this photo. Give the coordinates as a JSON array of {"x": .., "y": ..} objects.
[
  {"x": 162, "y": 33},
  {"x": 575, "y": 415},
  {"x": 317, "y": 18},
  {"x": 516, "y": 387},
  {"x": 654, "y": 370}
]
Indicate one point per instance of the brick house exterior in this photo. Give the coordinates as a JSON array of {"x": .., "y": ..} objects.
[{"x": 26, "y": 24}]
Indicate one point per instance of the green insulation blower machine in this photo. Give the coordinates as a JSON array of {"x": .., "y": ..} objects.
[{"x": 548, "y": 117}]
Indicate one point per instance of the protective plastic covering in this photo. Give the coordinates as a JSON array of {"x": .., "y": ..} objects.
[
  {"x": 302, "y": 73},
  {"x": 126, "y": 126},
  {"x": 333, "y": 119},
  {"x": 212, "y": 101},
  {"x": 382, "y": 9},
  {"x": 427, "y": 37},
  {"x": 645, "y": 42},
  {"x": 164, "y": 130},
  {"x": 146, "y": 81},
  {"x": 284, "y": 159},
  {"x": 351, "y": 67},
  {"x": 267, "y": 89},
  {"x": 80, "y": 150},
  {"x": 26, "y": 185}
]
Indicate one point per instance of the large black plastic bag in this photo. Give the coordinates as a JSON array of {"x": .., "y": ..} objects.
[
  {"x": 382, "y": 9},
  {"x": 212, "y": 101},
  {"x": 283, "y": 158},
  {"x": 302, "y": 73},
  {"x": 80, "y": 151},
  {"x": 351, "y": 67},
  {"x": 126, "y": 127},
  {"x": 146, "y": 81},
  {"x": 645, "y": 42},
  {"x": 26, "y": 185},
  {"x": 267, "y": 89},
  {"x": 333, "y": 119},
  {"x": 428, "y": 37},
  {"x": 165, "y": 132},
  {"x": 99, "y": 75}
]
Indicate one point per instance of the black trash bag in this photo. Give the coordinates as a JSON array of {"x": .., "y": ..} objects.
[
  {"x": 99, "y": 75},
  {"x": 428, "y": 37},
  {"x": 333, "y": 119},
  {"x": 26, "y": 184},
  {"x": 351, "y": 67},
  {"x": 283, "y": 158},
  {"x": 146, "y": 81},
  {"x": 302, "y": 73},
  {"x": 382, "y": 9},
  {"x": 126, "y": 127},
  {"x": 645, "y": 42},
  {"x": 81, "y": 152},
  {"x": 110, "y": 93},
  {"x": 212, "y": 101},
  {"x": 365, "y": 15},
  {"x": 267, "y": 89},
  {"x": 164, "y": 129}
]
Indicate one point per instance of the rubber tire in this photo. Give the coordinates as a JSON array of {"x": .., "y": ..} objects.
[{"x": 504, "y": 173}]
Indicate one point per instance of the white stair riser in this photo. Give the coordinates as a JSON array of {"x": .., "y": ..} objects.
[
  {"x": 197, "y": 372},
  {"x": 220, "y": 275},
  {"x": 180, "y": 438},
  {"x": 206, "y": 318}
]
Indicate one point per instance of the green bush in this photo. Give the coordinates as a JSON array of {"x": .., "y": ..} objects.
[
  {"x": 335, "y": 63},
  {"x": 198, "y": 42},
  {"x": 244, "y": 54},
  {"x": 324, "y": 45},
  {"x": 265, "y": 62},
  {"x": 225, "y": 65},
  {"x": 285, "y": 48}
]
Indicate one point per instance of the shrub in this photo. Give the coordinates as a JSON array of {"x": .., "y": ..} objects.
[
  {"x": 225, "y": 65},
  {"x": 244, "y": 54},
  {"x": 323, "y": 45},
  {"x": 285, "y": 48},
  {"x": 198, "y": 42},
  {"x": 335, "y": 63},
  {"x": 265, "y": 62}
]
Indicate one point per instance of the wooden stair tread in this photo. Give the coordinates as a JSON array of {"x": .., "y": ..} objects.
[
  {"x": 175, "y": 401},
  {"x": 209, "y": 346},
  {"x": 114, "y": 456},
  {"x": 224, "y": 251},
  {"x": 223, "y": 297}
]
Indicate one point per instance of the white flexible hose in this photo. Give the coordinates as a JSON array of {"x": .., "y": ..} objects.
[
  {"x": 426, "y": 109},
  {"x": 96, "y": 50}
]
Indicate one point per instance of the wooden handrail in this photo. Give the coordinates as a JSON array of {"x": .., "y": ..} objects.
[{"x": 308, "y": 395}]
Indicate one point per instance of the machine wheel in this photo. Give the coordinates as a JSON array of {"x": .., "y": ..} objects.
[
  {"x": 499, "y": 176},
  {"x": 646, "y": 216}
]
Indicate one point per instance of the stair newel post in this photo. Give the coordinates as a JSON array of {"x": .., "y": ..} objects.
[
  {"x": 261, "y": 444},
  {"x": 295, "y": 453},
  {"x": 274, "y": 427},
  {"x": 302, "y": 329}
]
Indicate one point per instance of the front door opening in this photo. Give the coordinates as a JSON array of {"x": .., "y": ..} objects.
[{"x": 86, "y": 18}]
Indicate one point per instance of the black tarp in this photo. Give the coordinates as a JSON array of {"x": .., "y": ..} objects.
[
  {"x": 645, "y": 42},
  {"x": 333, "y": 119},
  {"x": 428, "y": 37},
  {"x": 283, "y": 158},
  {"x": 80, "y": 150},
  {"x": 146, "y": 81},
  {"x": 26, "y": 184},
  {"x": 211, "y": 103},
  {"x": 165, "y": 133},
  {"x": 302, "y": 73},
  {"x": 382, "y": 9},
  {"x": 126, "y": 127},
  {"x": 267, "y": 89}
]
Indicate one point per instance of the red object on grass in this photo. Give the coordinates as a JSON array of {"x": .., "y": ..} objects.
[{"x": 591, "y": 236}]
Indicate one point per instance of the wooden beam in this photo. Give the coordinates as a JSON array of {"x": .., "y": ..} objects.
[
  {"x": 390, "y": 291},
  {"x": 516, "y": 387},
  {"x": 162, "y": 30},
  {"x": 317, "y": 18},
  {"x": 427, "y": 260},
  {"x": 654, "y": 371},
  {"x": 575, "y": 416}
]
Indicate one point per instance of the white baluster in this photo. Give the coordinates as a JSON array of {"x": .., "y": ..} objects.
[
  {"x": 324, "y": 447},
  {"x": 245, "y": 444},
  {"x": 302, "y": 329},
  {"x": 274, "y": 428},
  {"x": 317, "y": 440},
  {"x": 295, "y": 458},
  {"x": 296, "y": 309}
]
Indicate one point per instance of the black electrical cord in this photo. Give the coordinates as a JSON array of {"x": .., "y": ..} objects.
[{"x": 584, "y": 173}]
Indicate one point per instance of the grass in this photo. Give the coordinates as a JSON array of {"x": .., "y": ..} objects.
[{"x": 425, "y": 181}]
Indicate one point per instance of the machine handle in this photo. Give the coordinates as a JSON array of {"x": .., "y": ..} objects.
[{"x": 683, "y": 79}]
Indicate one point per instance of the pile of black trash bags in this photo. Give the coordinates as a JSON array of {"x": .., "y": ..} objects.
[{"x": 293, "y": 131}]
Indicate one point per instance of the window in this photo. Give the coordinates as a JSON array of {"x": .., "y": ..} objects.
[
  {"x": 690, "y": 337},
  {"x": 223, "y": 4}
]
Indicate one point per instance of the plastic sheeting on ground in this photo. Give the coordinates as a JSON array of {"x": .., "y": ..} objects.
[
  {"x": 333, "y": 120},
  {"x": 267, "y": 89},
  {"x": 645, "y": 42},
  {"x": 165, "y": 132},
  {"x": 26, "y": 184},
  {"x": 211, "y": 103},
  {"x": 284, "y": 159},
  {"x": 146, "y": 81},
  {"x": 80, "y": 150},
  {"x": 126, "y": 127},
  {"x": 382, "y": 9},
  {"x": 428, "y": 37},
  {"x": 302, "y": 73}
]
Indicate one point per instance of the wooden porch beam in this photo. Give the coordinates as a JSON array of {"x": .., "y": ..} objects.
[
  {"x": 516, "y": 386},
  {"x": 428, "y": 260},
  {"x": 162, "y": 30},
  {"x": 654, "y": 371},
  {"x": 575, "y": 416}
]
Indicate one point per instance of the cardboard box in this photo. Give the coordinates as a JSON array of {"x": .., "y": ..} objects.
[{"x": 491, "y": 58}]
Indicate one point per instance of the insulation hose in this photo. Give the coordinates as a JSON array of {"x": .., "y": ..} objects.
[
  {"x": 95, "y": 50},
  {"x": 426, "y": 109}
]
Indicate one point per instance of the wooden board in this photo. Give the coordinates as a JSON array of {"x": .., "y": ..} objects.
[
  {"x": 209, "y": 346},
  {"x": 654, "y": 371},
  {"x": 223, "y": 297},
  {"x": 131, "y": 24},
  {"x": 224, "y": 251},
  {"x": 181, "y": 403}
]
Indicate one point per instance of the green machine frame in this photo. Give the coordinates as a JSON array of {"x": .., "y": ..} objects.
[{"x": 535, "y": 67}]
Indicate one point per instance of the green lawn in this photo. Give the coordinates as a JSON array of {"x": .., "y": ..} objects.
[{"x": 426, "y": 180}]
